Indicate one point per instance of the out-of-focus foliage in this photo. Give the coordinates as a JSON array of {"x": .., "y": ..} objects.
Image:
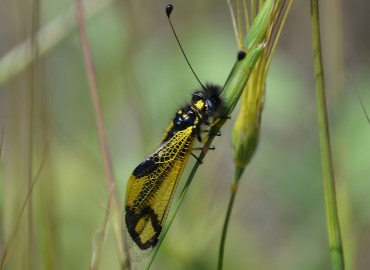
[{"x": 279, "y": 220}]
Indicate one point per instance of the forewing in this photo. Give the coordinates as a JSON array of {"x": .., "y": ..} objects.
[{"x": 150, "y": 190}]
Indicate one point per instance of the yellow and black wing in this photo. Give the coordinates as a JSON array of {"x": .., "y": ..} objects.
[{"x": 150, "y": 190}]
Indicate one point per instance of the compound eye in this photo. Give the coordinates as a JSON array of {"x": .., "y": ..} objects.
[
  {"x": 209, "y": 107},
  {"x": 197, "y": 96}
]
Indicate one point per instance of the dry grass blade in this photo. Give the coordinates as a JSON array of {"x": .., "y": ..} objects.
[
  {"x": 93, "y": 86},
  {"x": 9, "y": 244}
]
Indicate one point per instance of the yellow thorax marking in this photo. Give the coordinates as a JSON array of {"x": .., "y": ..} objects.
[{"x": 199, "y": 104}]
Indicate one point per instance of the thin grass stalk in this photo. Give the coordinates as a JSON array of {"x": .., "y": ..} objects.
[
  {"x": 240, "y": 22},
  {"x": 246, "y": 15},
  {"x": 362, "y": 105},
  {"x": 9, "y": 245},
  {"x": 1, "y": 140},
  {"x": 253, "y": 8},
  {"x": 97, "y": 249},
  {"x": 107, "y": 163},
  {"x": 334, "y": 234},
  {"x": 278, "y": 33},
  {"x": 235, "y": 28},
  {"x": 234, "y": 189},
  {"x": 30, "y": 121}
]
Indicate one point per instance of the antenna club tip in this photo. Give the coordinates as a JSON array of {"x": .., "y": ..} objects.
[
  {"x": 169, "y": 9},
  {"x": 241, "y": 55}
]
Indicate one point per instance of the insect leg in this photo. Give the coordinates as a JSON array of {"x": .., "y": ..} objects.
[
  {"x": 212, "y": 147},
  {"x": 201, "y": 162}
]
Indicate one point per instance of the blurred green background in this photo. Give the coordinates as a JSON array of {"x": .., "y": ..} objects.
[{"x": 47, "y": 124}]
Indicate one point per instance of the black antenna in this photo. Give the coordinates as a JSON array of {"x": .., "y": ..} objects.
[{"x": 169, "y": 9}]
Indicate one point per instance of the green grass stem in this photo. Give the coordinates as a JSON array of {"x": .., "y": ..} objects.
[{"x": 335, "y": 242}]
